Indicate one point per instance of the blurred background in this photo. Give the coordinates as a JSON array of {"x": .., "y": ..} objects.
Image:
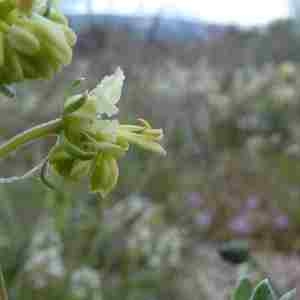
[{"x": 222, "y": 78}]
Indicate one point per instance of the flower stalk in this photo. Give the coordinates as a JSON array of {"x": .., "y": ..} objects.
[{"x": 40, "y": 131}]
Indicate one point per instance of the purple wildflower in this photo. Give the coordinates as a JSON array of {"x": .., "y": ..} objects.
[
  {"x": 281, "y": 222},
  {"x": 204, "y": 219},
  {"x": 241, "y": 225},
  {"x": 194, "y": 200},
  {"x": 252, "y": 202}
]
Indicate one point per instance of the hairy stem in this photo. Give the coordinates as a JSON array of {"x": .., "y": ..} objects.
[{"x": 50, "y": 128}]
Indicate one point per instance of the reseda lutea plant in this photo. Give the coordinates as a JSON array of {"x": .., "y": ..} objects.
[{"x": 35, "y": 42}]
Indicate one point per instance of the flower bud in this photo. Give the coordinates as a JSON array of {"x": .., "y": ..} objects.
[
  {"x": 22, "y": 40},
  {"x": 51, "y": 33},
  {"x": 57, "y": 17},
  {"x": 43, "y": 42},
  {"x": 14, "y": 69}
]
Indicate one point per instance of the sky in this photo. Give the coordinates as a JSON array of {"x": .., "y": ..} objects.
[{"x": 245, "y": 13}]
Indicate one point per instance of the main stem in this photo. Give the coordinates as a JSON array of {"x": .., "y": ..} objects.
[{"x": 50, "y": 128}]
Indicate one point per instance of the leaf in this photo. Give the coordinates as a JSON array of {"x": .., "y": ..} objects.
[
  {"x": 243, "y": 290},
  {"x": 74, "y": 103},
  {"x": 291, "y": 295},
  {"x": 8, "y": 91},
  {"x": 75, "y": 84},
  {"x": 263, "y": 291},
  {"x": 108, "y": 93}
]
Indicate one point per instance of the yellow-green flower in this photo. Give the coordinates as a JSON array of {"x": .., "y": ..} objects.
[{"x": 92, "y": 139}]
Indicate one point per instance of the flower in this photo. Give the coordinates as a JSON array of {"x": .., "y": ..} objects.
[
  {"x": 252, "y": 202},
  {"x": 204, "y": 219},
  {"x": 241, "y": 225},
  {"x": 281, "y": 222},
  {"x": 91, "y": 141},
  {"x": 86, "y": 283},
  {"x": 194, "y": 200}
]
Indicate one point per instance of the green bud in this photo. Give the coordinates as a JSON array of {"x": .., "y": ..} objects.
[
  {"x": 22, "y": 40},
  {"x": 57, "y": 17},
  {"x": 4, "y": 27},
  {"x": 115, "y": 149},
  {"x": 142, "y": 141},
  {"x": 44, "y": 68},
  {"x": 5, "y": 8},
  {"x": 52, "y": 52},
  {"x": 70, "y": 35},
  {"x": 30, "y": 68},
  {"x": 53, "y": 36},
  {"x": 14, "y": 68},
  {"x": 45, "y": 46}
]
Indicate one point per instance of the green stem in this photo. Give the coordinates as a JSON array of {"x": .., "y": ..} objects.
[
  {"x": 50, "y": 128},
  {"x": 3, "y": 291}
]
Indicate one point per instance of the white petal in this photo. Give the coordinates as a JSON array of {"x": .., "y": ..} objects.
[{"x": 108, "y": 93}]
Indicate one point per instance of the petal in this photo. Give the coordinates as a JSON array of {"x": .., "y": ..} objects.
[
  {"x": 106, "y": 129},
  {"x": 108, "y": 93},
  {"x": 105, "y": 175}
]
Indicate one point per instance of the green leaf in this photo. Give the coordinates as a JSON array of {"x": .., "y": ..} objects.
[
  {"x": 8, "y": 91},
  {"x": 263, "y": 291},
  {"x": 243, "y": 290},
  {"x": 291, "y": 295},
  {"x": 74, "y": 103}
]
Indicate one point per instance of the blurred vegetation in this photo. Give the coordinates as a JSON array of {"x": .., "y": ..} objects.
[{"x": 230, "y": 110}]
